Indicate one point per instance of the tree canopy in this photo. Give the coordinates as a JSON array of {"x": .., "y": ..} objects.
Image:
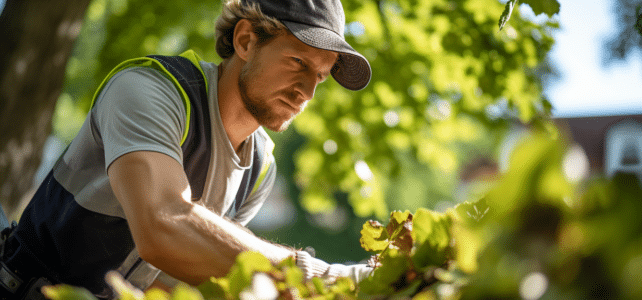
[
  {"x": 628, "y": 37},
  {"x": 446, "y": 83}
]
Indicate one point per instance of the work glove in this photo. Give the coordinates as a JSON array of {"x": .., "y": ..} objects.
[{"x": 314, "y": 267}]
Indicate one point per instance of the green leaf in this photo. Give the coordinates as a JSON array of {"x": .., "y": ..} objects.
[
  {"x": 547, "y": 106},
  {"x": 216, "y": 288},
  {"x": 403, "y": 239},
  {"x": 66, "y": 292},
  {"x": 549, "y": 7},
  {"x": 393, "y": 265},
  {"x": 156, "y": 294},
  {"x": 398, "y": 217},
  {"x": 471, "y": 213},
  {"x": 432, "y": 237},
  {"x": 430, "y": 225},
  {"x": 343, "y": 286},
  {"x": 400, "y": 230},
  {"x": 374, "y": 236},
  {"x": 185, "y": 292},
  {"x": 247, "y": 263},
  {"x": 508, "y": 10},
  {"x": 319, "y": 285},
  {"x": 468, "y": 244},
  {"x": 293, "y": 276}
]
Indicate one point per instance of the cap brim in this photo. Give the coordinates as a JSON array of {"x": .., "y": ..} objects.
[{"x": 351, "y": 70}]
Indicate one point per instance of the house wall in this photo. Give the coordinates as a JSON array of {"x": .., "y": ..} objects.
[{"x": 590, "y": 134}]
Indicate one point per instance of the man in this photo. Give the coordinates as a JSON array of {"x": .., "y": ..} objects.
[{"x": 172, "y": 146}]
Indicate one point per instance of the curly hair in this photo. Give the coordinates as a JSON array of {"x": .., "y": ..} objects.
[{"x": 265, "y": 27}]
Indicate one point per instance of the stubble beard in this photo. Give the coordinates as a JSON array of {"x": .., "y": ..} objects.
[{"x": 259, "y": 107}]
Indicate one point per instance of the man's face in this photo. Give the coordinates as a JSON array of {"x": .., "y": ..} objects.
[{"x": 280, "y": 77}]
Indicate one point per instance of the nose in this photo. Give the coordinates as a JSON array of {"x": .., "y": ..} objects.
[{"x": 307, "y": 85}]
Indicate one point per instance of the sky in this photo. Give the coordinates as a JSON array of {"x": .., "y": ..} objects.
[{"x": 586, "y": 86}]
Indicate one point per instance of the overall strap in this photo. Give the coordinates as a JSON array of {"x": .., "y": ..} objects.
[{"x": 197, "y": 142}]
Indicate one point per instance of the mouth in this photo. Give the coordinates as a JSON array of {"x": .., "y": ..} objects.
[{"x": 295, "y": 109}]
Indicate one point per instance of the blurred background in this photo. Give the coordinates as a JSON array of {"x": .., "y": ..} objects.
[{"x": 450, "y": 97}]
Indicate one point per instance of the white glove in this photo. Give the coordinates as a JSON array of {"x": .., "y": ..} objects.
[
  {"x": 314, "y": 267},
  {"x": 356, "y": 272}
]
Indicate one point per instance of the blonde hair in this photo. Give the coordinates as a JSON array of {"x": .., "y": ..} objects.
[{"x": 264, "y": 26}]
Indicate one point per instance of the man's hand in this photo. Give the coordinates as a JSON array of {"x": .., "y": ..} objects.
[{"x": 313, "y": 267}]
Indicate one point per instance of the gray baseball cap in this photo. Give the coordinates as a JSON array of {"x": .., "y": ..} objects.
[{"x": 320, "y": 24}]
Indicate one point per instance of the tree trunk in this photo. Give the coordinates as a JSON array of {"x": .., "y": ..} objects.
[{"x": 37, "y": 38}]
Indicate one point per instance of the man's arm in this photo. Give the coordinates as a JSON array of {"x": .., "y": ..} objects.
[{"x": 183, "y": 239}]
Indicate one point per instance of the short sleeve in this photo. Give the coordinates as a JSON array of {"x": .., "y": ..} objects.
[
  {"x": 140, "y": 110},
  {"x": 253, "y": 204}
]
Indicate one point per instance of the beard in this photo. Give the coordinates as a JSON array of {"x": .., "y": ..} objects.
[{"x": 263, "y": 109}]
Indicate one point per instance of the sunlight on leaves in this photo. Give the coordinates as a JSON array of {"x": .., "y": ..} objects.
[{"x": 374, "y": 236}]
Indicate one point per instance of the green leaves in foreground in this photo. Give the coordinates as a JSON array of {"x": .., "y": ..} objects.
[
  {"x": 251, "y": 277},
  {"x": 65, "y": 292},
  {"x": 412, "y": 250},
  {"x": 123, "y": 290},
  {"x": 376, "y": 238},
  {"x": 532, "y": 236},
  {"x": 254, "y": 277},
  {"x": 409, "y": 250}
]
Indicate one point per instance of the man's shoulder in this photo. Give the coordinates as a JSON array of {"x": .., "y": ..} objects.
[
  {"x": 140, "y": 83},
  {"x": 137, "y": 77}
]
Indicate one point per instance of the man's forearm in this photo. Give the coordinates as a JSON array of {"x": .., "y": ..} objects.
[
  {"x": 195, "y": 244},
  {"x": 185, "y": 240},
  {"x": 242, "y": 236}
]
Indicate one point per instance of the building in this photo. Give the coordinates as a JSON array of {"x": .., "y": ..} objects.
[{"x": 611, "y": 143}]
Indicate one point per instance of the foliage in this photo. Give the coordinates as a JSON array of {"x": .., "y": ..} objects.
[
  {"x": 445, "y": 87},
  {"x": 627, "y": 39},
  {"x": 549, "y": 7},
  {"x": 508, "y": 11},
  {"x": 116, "y": 30},
  {"x": 252, "y": 277},
  {"x": 457, "y": 81},
  {"x": 546, "y": 238},
  {"x": 444, "y": 84},
  {"x": 534, "y": 235}
]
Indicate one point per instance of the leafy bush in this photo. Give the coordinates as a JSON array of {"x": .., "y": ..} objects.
[{"x": 534, "y": 235}]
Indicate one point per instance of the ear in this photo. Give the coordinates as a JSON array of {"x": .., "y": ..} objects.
[{"x": 244, "y": 39}]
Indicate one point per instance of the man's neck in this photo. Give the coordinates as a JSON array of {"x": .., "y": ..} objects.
[{"x": 237, "y": 121}]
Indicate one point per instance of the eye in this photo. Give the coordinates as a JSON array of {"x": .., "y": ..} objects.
[{"x": 299, "y": 61}]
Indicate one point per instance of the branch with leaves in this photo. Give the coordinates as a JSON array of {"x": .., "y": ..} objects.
[{"x": 548, "y": 7}]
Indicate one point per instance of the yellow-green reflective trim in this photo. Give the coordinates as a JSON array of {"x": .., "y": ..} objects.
[
  {"x": 152, "y": 63},
  {"x": 264, "y": 170},
  {"x": 195, "y": 59}
]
